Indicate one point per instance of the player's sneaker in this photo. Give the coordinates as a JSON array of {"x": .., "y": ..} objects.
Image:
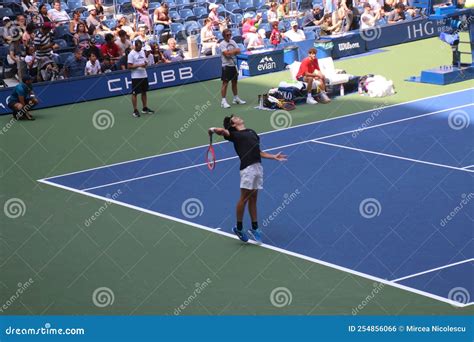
[
  {"x": 224, "y": 104},
  {"x": 324, "y": 98},
  {"x": 136, "y": 114},
  {"x": 147, "y": 110},
  {"x": 238, "y": 100},
  {"x": 311, "y": 100},
  {"x": 257, "y": 235},
  {"x": 241, "y": 234}
]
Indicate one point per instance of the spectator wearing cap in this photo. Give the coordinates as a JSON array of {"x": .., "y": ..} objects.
[
  {"x": 109, "y": 48},
  {"x": 398, "y": 14},
  {"x": 327, "y": 27},
  {"x": 313, "y": 17},
  {"x": 217, "y": 24},
  {"x": 295, "y": 34},
  {"x": 250, "y": 24},
  {"x": 93, "y": 21},
  {"x": 173, "y": 53},
  {"x": 44, "y": 42},
  {"x": 6, "y": 33},
  {"x": 75, "y": 65},
  {"x": 123, "y": 42},
  {"x": 208, "y": 39},
  {"x": 256, "y": 40},
  {"x": 368, "y": 19},
  {"x": 22, "y": 99},
  {"x": 58, "y": 15},
  {"x": 149, "y": 56},
  {"x": 272, "y": 13}
]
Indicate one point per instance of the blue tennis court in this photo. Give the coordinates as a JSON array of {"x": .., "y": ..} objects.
[{"x": 387, "y": 194}]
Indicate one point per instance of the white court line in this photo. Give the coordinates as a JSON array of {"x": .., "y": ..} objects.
[
  {"x": 298, "y": 143},
  {"x": 432, "y": 270},
  {"x": 268, "y": 132},
  {"x": 468, "y": 167},
  {"x": 273, "y": 248},
  {"x": 393, "y": 156}
]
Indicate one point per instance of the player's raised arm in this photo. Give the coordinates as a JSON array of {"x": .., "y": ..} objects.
[{"x": 219, "y": 131}]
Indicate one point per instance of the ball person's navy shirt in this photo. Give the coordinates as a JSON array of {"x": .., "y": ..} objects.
[{"x": 247, "y": 145}]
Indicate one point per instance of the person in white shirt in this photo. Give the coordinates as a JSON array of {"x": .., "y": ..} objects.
[
  {"x": 93, "y": 65},
  {"x": 368, "y": 19},
  {"x": 256, "y": 40},
  {"x": 208, "y": 39},
  {"x": 57, "y": 15},
  {"x": 137, "y": 63},
  {"x": 149, "y": 56},
  {"x": 123, "y": 42},
  {"x": 295, "y": 34}
]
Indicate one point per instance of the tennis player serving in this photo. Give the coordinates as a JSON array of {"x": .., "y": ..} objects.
[{"x": 247, "y": 146}]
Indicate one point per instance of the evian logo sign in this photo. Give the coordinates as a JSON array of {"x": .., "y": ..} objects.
[
  {"x": 266, "y": 63},
  {"x": 348, "y": 46}
]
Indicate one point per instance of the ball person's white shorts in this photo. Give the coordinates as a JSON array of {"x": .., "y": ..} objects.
[{"x": 251, "y": 177}]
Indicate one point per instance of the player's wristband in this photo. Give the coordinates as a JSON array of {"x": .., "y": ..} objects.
[{"x": 212, "y": 129}]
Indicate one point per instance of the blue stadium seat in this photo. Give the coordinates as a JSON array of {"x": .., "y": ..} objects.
[
  {"x": 187, "y": 15},
  {"x": 7, "y": 12},
  {"x": 233, "y": 7},
  {"x": 110, "y": 23},
  {"x": 126, "y": 8},
  {"x": 246, "y": 5},
  {"x": 221, "y": 9},
  {"x": 73, "y": 4},
  {"x": 200, "y": 12},
  {"x": 174, "y": 16},
  {"x": 192, "y": 28},
  {"x": 176, "y": 29},
  {"x": 242, "y": 47},
  {"x": 65, "y": 7},
  {"x": 260, "y": 4},
  {"x": 62, "y": 32},
  {"x": 236, "y": 19},
  {"x": 201, "y": 22},
  {"x": 236, "y": 35},
  {"x": 263, "y": 13},
  {"x": 266, "y": 27},
  {"x": 181, "y": 4},
  {"x": 310, "y": 34},
  {"x": 152, "y": 6}
]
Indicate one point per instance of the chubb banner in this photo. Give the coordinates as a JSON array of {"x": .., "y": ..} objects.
[{"x": 118, "y": 83}]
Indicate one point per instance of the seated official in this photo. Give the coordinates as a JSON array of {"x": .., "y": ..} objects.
[
  {"x": 22, "y": 99},
  {"x": 173, "y": 53}
]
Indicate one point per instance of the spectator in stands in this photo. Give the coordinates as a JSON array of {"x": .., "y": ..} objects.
[
  {"x": 157, "y": 54},
  {"x": 31, "y": 62},
  {"x": 141, "y": 34},
  {"x": 123, "y": 61},
  {"x": 29, "y": 7},
  {"x": 7, "y": 34},
  {"x": 398, "y": 14},
  {"x": 295, "y": 34},
  {"x": 137, "y": 64},
  {"x": 123, "y": 42},
  {"x": 217, "y": 23},
  {"x": 58, "y": 15},
  {"x": 313, "y": 17},
  {"x": 92, "y": 66},
  {"x": 82, "y": 38},
  {"x": 275, "y": 35},
  {"x": 93, "y": 23},
  {"x": 368, "y": 19},
  {"x": 43, "y": 14},
  {"x": 143, "y": 16},
  {"x": 99, "y": 9},
  {"x": 283, "y": 9},
  {"x": 75, "y": 65},
  {"x": 208, "y": 39},
  {"x": 327, "y": 27},
  {"x": 107, "y": 65},
  {"x": 149, "y": 56},
  {"x": 309, "y": 73},
  {"x": 229, "y": 49},
  {"x": 161, "y": 16},
  {"x": 20, "y": 22},
  {"x": 124, "y": 25},
  {"x": 345, "y": 14},
  {"x": 44, "y": 43},
  {"x": 109, "y": 48},
  {"x": 22, "y": 99},
  {"x": 272, "y": 13},
  {"x": 76, "y": 19},
  {"x": 256, "y": 40},
  {"x": 29, "y": 35},
  {"x": 15, "y": 54},
  {"x": 173, "y": 53},
  {"x": 250, "y": 24}
]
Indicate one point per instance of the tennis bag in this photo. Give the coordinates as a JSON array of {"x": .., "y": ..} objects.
[
  {"x": 272, "y": 102},
  {"x": 292, "y": 94}
]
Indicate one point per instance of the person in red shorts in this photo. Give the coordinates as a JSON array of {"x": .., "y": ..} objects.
[{"x": 309, "y": 73}]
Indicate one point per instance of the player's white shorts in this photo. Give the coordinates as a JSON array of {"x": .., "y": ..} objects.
[{"x": 251, "y": 177}]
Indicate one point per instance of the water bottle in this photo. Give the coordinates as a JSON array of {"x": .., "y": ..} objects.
[{"x": 341, "y": 90}]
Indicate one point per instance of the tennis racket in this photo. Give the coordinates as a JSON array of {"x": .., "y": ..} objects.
[{"x": 210, "y": 155}]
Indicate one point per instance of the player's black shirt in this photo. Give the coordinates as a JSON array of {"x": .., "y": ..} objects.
[{"x": 247, "y": 145}]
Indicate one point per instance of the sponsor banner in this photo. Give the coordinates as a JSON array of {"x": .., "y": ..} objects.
[
  {"x": 260, "y": 62},
  {"x": 347, "y": 45},
  {"x": 403, "y": 32},
  {"x": 118, "y": 83}
]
